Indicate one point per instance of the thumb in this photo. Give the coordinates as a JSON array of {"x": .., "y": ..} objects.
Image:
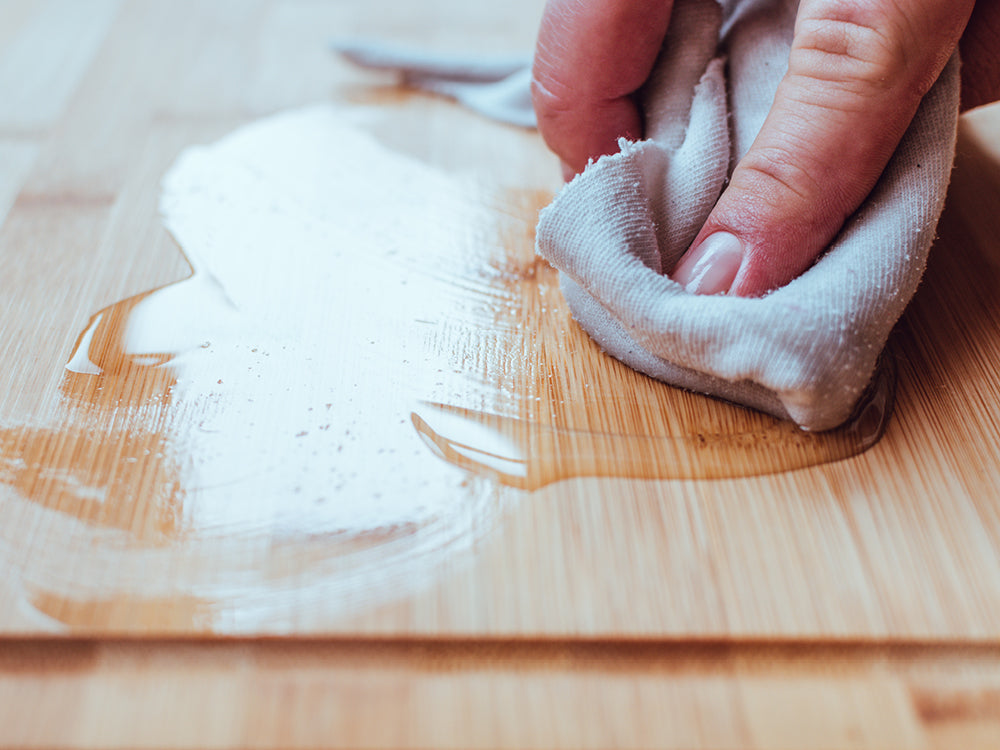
[{"x": 857, "y": 72}]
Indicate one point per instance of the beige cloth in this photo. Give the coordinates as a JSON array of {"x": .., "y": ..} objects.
[{"x": 498, "y": 87}]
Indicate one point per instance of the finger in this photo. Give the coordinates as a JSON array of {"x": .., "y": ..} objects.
[
  {"x": 857, "y": 72},
  {"x": 591, "y": 56}
]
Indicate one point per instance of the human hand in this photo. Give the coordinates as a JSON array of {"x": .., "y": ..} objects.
[{"x": 858, "y": 70}]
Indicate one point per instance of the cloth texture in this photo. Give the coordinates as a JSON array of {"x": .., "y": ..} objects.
[{"x": 804, "y": 352}]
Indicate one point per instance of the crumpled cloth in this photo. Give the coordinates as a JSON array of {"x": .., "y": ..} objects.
[
  {"x": 804, "y": 352},
  {"x": 497, "y": 87}
]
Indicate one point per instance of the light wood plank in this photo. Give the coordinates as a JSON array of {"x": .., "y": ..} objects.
[
  {"x": 42, "y": 63},
  {"x": 902, "y": 542},
  {"x": 497, "y": 694},
  {"x": 17, "y": 158},
  {"x": 653, "y": 606}
]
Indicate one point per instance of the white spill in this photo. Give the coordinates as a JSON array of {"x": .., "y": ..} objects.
[{"x": 337, "y": 287}]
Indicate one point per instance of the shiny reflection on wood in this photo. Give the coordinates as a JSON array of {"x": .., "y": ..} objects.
[
  {"x": 329, "y": 290},
  {"x": 97, "y": 478},
  {"x": 529, "y": 455},
  {"x": 265, "y": 438}
]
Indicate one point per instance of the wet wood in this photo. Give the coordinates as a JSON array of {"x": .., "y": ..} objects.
[{"x": 625, "y": 527}]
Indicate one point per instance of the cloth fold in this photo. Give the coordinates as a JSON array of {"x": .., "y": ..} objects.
[
  {"x": 497, "y": 87},
  {"x": 804, "y": 352}
]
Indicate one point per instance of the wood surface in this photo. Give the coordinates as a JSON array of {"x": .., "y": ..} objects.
[
  {"x": 472, "y": 694},
  {"x": 657, "y": 568}
]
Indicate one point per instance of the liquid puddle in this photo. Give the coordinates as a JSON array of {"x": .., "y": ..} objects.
[
  {"x": 263, "y": 441},
  {"x": 528, "y": 455}
]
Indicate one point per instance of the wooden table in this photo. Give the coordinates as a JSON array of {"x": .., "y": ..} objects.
[{"x": 335, "y": 468}]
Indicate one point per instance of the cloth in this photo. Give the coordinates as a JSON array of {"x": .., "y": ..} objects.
[
  {"x": 497, "y": 87},
  {"x": 804, "y": 352}
]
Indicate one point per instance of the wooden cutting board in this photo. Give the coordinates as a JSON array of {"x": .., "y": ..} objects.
[{"x": 503, "y": 477}]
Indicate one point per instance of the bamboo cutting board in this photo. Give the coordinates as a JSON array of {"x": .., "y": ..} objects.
[{"x": 341, "y": 396}]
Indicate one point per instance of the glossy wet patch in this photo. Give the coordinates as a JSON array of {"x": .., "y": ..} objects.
[{"x": 330, "y": 410}]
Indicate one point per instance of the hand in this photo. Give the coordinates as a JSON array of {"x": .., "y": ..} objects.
[{"x": 857, "y": 72}]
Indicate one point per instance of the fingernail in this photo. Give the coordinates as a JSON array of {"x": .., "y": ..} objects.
[
  {"x": 568, "y": 173},
  {"x": 711, "y": 267}
]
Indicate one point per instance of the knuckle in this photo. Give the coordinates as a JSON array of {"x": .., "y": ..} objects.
[
  {"x": 552, "y": 103},
  {"x": 549, "y": 91},
  {"x": 782, "y": 188},
  {"x": 779, "y": 184},
  {"x": 852, "y": 46},
  {"x": 560, "y": 117},
  {"x": 546, "y": 102}
]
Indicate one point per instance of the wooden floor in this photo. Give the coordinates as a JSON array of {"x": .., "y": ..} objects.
[{"x": 260, "y": 510}]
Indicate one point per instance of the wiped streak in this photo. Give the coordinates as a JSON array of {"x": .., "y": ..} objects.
[{"x": 330, "y": 293}]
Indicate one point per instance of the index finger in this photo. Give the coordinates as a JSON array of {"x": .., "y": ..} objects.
[{"x": 591, "y": 57}]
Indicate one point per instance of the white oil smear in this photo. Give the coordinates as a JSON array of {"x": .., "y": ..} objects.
[
  {"x": 337, "y": 287},
  {"x": 334, "y": 309}
]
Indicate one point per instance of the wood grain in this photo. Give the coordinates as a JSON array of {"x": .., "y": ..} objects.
[
  {"x": 620, "y": 587},
  {"x": 413, "y": 694},
  {"x": 897, "y": 543}
]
